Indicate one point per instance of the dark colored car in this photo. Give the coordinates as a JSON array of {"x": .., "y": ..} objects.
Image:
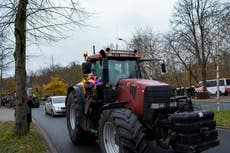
[{"x": 35, "y": 102}]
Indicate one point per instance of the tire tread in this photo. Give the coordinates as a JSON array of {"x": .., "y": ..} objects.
[{"x": 130, "y": 130}]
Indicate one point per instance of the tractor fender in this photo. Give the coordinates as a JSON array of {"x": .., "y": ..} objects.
[
  {"x": 78, "y": 89},
  {"x": 113, "y": 105}
]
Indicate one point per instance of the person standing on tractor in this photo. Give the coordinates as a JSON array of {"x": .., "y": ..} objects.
[{"x": 90, "y": 84}]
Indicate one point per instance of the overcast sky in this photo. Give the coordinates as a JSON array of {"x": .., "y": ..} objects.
[{"x": 112, "y": 19}]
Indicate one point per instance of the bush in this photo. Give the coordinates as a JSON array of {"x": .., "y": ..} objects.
[{"x": 202, "y": 95}]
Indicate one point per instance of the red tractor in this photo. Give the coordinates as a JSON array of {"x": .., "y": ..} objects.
[{"x": 125, "y": 111}]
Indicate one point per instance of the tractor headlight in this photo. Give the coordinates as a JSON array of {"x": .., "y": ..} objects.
[
  {"x": 173, "y": 104},
  {"x": 163, "y": 105},
  {"x": 157, "y": 105}
]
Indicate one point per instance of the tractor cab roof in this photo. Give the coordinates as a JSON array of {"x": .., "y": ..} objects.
[{"x": 115, "y": 54}]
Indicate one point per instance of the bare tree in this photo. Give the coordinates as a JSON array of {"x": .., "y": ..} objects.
[
  {"x": 149, "y": 45},
  {"x": 35, "y": 20},
  {"x": 180, "y": 54},
  {"x": 6, "y": 51},
  {"x": 222, "y": 39},
  {"x": 193, "y": 35},
  {"x": 5, "y": 60}
]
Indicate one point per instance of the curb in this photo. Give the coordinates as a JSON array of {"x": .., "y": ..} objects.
[
  {"x": 47, "y": 139},
  {"x": 223, "y": 128}
]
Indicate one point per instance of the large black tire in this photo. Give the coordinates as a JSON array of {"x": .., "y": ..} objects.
[
  {"x": 52, "y": 113},
  {"x": 121, "y": 132},
  {"x": 74, "y": 117}
]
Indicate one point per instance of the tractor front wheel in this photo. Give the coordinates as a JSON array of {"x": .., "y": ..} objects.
[
  {"x": 121, "y": 132},
  {"x": 74, "y": 117}
]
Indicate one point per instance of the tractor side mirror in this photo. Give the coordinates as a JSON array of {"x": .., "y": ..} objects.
[
  {"x": 163, "y": 68},
  {"x": 86, "y": 67}
]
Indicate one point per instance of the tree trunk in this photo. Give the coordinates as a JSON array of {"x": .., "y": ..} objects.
[{"x": 20, "y": 69}]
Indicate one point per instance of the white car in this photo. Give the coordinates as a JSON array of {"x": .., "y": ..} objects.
[
  {"x": 224, "y": 86},
  {"x": 55, "y": 105}
]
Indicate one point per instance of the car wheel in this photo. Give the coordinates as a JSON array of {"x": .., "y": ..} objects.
[
  {"x": 52, "y": 113},
  {"x": 46, "y": 112},
  {"x": 225, "y": 93},
  {"x": 220, "y": 93}
]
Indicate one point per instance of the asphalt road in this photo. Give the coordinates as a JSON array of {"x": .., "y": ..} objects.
[{"x": 56, "y": 130}]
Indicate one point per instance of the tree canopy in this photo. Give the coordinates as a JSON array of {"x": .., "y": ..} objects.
[
  {"x": 55, "y": 87},
  {"x": 35, "y": 20}
]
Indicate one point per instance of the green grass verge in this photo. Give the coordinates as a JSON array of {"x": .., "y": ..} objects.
[
  {"x": 33, "y": 142},
  {"x": 42, "y": 102},
  {"x": 222, "y": 118}
]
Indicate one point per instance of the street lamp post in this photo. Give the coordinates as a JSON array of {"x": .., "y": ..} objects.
[{"x": 127, "y": 45}]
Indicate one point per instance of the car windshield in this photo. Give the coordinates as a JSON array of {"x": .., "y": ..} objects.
[
  {"x": 58, "y": 100},
  {"x": 119, "y": 69},
  {"x": 199, "y": 85},
  {"x": 228, "y": 82}
]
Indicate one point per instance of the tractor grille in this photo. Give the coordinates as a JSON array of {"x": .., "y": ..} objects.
[{"x": 155, "y": 94}]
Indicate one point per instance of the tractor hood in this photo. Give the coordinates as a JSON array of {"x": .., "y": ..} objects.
[
  {"x": 141, "y": 94},
  {"x": 141, "y": 83}
]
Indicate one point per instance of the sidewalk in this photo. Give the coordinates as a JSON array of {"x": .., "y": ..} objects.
[
  {"x": 6, "y": 114},
  {"x": 212, "y": 99}
]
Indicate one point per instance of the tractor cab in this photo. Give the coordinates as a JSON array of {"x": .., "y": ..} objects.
[{"x": 112, "y": 65}]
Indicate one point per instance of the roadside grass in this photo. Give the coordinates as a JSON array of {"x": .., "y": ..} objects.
[
  {"x": 42, "y": 102},
  {"x": 222, "y": 118},
  {"x": 33, "y": 142}
]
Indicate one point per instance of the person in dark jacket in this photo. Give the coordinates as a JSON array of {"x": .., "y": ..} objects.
[{"x": 29, "y": 105}]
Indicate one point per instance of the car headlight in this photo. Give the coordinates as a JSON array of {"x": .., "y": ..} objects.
[{"x": 58, "y": 108}]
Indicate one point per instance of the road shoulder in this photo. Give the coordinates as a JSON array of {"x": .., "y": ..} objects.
[{"x": 45, "y": 136}]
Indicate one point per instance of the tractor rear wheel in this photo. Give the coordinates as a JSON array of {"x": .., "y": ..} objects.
[{"x": 121, "y": 132}]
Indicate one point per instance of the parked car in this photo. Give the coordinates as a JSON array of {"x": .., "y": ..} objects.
[
  {"x": 224, "y": 86},
  {"x": 55, "y": 105},
  {"x": 35, "y": 102}
]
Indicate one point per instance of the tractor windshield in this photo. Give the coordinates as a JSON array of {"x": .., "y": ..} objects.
[{"x": 119, "y": 69}]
